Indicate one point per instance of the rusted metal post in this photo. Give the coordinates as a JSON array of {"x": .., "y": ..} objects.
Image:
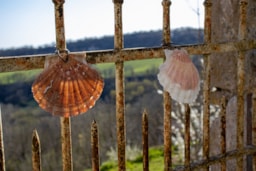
[
  {"x": 95, "y": 147},
  {"x": 59, "y": 24},
  {"x": 223, "y": 130},
  {"x": 206, "y": 87},
  {"x": 67, "y": 163},
  {"x": 118, "y": 37},
  {"x": 167, "y": 99},
  {"x": 145, "y": 140},
  {"x": 120, "y": 100},
  {"x": 254, "y": 126},
  {"x": 166, "y": 22},
  {"x": 36, "y": 152},
  {"x": 241, "y": 84},
  {"x": 187, "y": 137},
  {"x": 2, "y": 157},
  {"x": 65, "y": 123},
  {"x": 248, "y": 127},
  {"x": 29, "y": 62},
  {"x": 240, "y": 107}
]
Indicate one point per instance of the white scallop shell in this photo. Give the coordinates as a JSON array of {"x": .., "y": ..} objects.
[
  {"x": 67, "y": 88},
  {"x": 179, "y": 76}
]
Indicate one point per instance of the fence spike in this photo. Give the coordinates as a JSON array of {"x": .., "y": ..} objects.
[
  {"x": 95, "y": 146},
  {"x": 187, "y": 137},
  {"x": 36, "y": 152},
  {"x": 145, "y": 140}
]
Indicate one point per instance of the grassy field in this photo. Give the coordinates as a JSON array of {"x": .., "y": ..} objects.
[{"x": 107, "y": 70}]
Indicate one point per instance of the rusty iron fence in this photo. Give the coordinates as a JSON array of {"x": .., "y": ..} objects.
[{"x": 119, "y": 56}]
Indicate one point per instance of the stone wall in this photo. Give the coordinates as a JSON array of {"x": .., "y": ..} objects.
[{"x": 225, "y": 28}]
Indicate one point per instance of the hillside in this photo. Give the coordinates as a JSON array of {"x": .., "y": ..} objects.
[{"x": 137, "y": 39}]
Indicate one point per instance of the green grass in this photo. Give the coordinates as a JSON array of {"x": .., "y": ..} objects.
[
  {"x": 156, "y": 161},
  {"x": 107, "y": 70},
  {"x": 19, "y": 76},
  {"x": 142, "y": 66}
]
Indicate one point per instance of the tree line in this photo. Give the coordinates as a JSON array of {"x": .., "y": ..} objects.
[{"x": 137, "y": 39}]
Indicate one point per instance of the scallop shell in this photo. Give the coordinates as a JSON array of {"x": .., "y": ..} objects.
[
  {"x": 67, "y": 88},
  {"x": 179, "y": 76}
]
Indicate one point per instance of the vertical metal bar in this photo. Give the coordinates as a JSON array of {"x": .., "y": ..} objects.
[
  {"x": 95, "y": 147},
  {"x": 36, "y": 152},
  {"x": 67, "y": 163},
  {"x": 59, "y": 24},
  {"x": 167, "y": 132},
  {"x": 118, "y": 38},
  {"x": 223, "y": 130},
  {"x": 206, "y": 88},
  {"x": 2, "y": 157},
  {"x": 254, "y": 126},
  {"x": 167, "y": 99},
  {"x": 241, "y": 84},
  {"x": 145, "y": 140},
  {"x": 187, "y": 137},
  {"x": 166, "y": 22},
  {"x": 207, "y": 21},
  {"x": 249, "y": 159},
  {"x": 242, "y": 20},
  {"x": 120, "y": 103},
  {"x": 240, "y": 107},
  {"x": 120, "y": 116},
  {"x": 64, "y": 122}
]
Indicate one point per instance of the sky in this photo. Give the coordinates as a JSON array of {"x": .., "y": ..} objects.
[{"x": 32, "y": 22}]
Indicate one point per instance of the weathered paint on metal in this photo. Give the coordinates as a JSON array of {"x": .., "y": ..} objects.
[
  {"x": 65, "y": 123},
  {"x": 119, "y": 82},
  {"x": 167, "y": 132},
  {"x": 67, "y": 163},
  {"x": 59, "y": 24},
  {"x": 2, "y": 156},
  {"x": 187, "y": 137},
  {"x": 240, "y": 106},
  {"x": 36, "y": 152},
  {"x": 145, "y": 140},
  {"x": 206, "y": 86},
  {"x": 223, "y": 130},
  {"x": 120, "y": 115},
  {"x": 248, "y": 130},
  {"x": 166, "y": 97},
  {"x": 241, "y": 84},
  {"x": 207, "y": 21},
  {"x": 254, "y": 126},
  {"x": 166, "y": 23},
  {"x": 29, "y": 62},
  {"x": 233, "y": 154},
  {"x": 95, "y": 147}
]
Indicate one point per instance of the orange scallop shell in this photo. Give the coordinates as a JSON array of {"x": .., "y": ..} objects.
[
  {"x": 67, "y": 88},
  {"x": 179, "y": 76}
]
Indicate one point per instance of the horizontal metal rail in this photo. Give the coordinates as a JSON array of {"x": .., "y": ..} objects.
[
  {"x": 29, "y": 62},
  {"x": 219, "y": 158}
]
